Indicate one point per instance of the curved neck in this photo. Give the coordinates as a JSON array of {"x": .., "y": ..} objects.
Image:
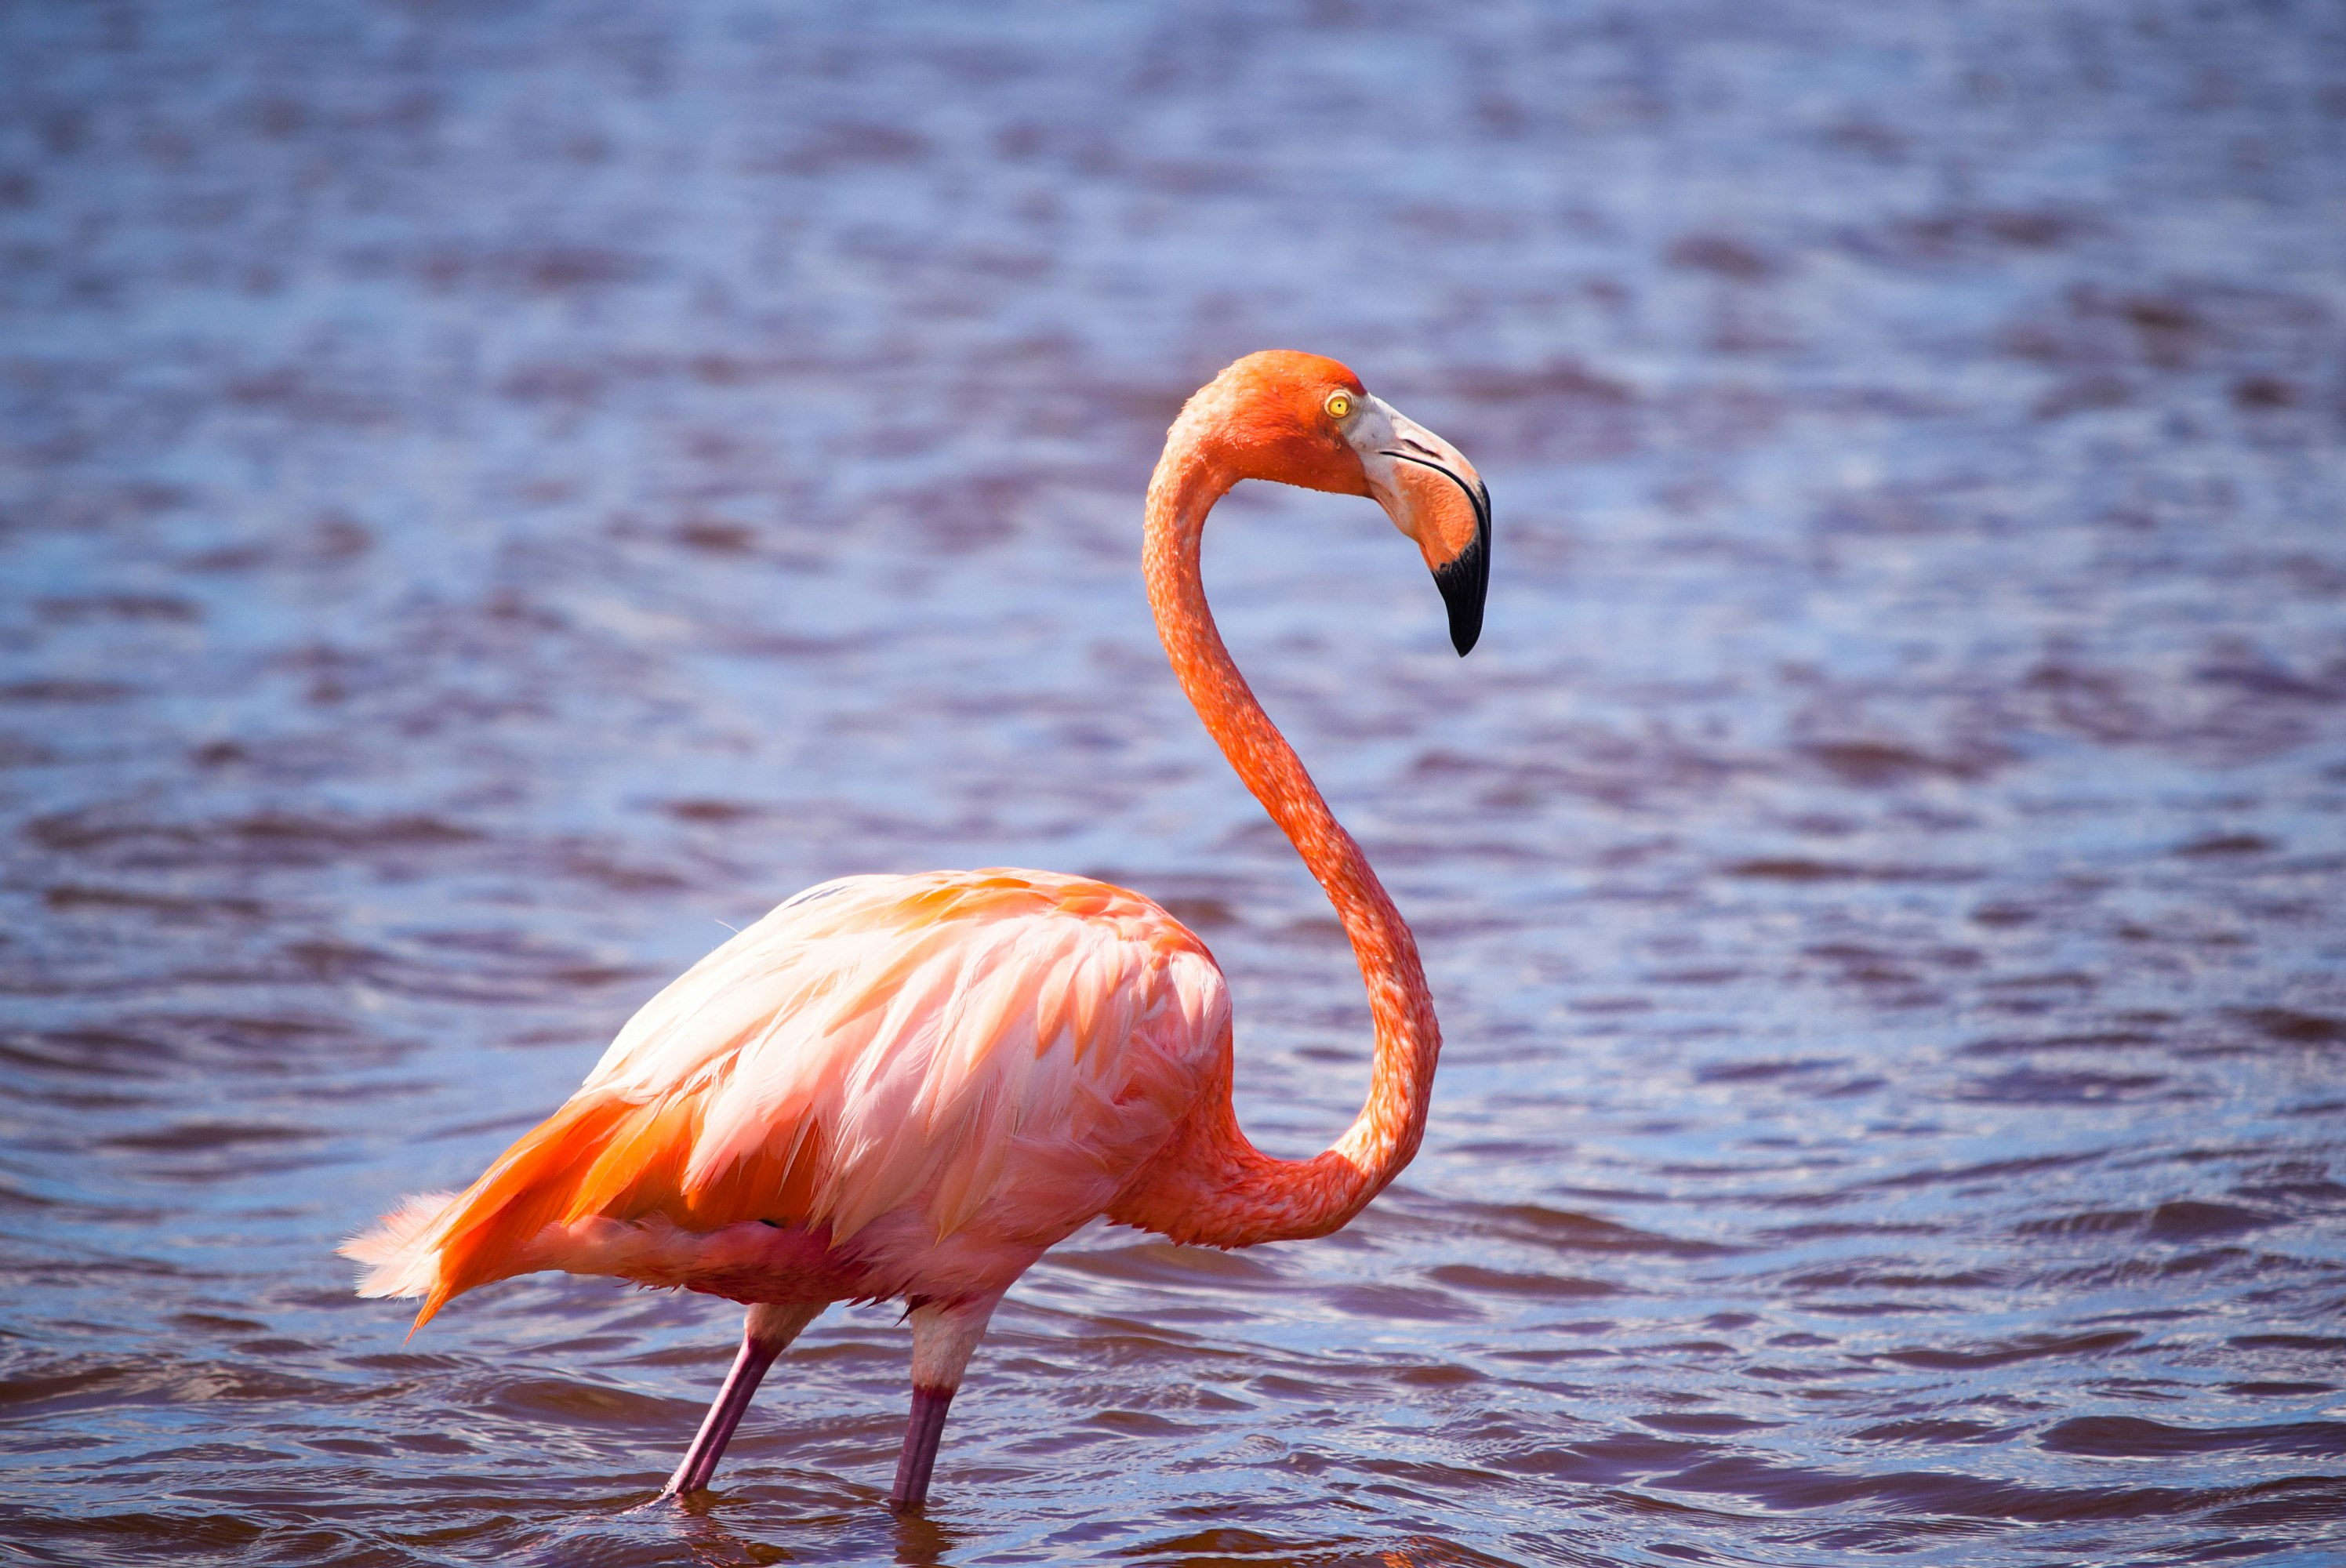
[{"x": 1244, "y": 1196}]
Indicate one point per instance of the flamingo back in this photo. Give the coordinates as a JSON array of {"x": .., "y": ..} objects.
[{"x": 995, "y": 1052}]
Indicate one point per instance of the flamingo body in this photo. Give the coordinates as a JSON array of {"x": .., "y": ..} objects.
[{"x": 890, "y": 1085}]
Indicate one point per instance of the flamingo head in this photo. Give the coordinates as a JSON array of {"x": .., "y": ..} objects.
[{"x": 1300, "y": 419}]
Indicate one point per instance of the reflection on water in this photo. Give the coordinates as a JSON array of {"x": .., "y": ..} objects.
[{"x": 493, "y": 496}]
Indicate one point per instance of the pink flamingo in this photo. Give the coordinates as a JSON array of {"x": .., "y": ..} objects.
[{"x": 912, "y": 1086}]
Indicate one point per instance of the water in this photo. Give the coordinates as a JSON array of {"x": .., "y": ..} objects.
[{"x": 493, "y": 495}]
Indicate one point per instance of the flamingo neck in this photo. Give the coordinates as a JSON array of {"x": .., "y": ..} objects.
[{"x": 1218, "y": 1189}]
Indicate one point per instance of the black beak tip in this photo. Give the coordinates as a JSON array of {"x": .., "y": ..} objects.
[{"x": 1464, "y": 583}]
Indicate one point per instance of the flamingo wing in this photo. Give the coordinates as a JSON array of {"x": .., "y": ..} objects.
[{"x": 988, "y": 1051}]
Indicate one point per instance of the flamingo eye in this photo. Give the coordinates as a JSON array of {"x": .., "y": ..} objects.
[{"x": 1338, "y": 404}]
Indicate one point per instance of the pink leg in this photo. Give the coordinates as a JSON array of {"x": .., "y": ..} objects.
[
  {"x": 943, "y": 1339},
  {"x": 920, "y": 1455},
  {"x": 766, "y": 1334}
]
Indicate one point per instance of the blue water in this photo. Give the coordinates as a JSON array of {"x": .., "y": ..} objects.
[{"x": 491, "y": 496}]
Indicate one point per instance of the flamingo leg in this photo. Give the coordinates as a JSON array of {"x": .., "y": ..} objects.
[
  {"x": 943, "y": 1341},
  {"x": 766, "y": 1334}
]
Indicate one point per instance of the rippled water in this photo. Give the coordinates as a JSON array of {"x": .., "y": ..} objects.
[{"x": 493, "y": 495}]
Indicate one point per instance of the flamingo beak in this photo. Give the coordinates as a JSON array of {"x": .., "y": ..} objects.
[{"x": 1433, "y": 494}]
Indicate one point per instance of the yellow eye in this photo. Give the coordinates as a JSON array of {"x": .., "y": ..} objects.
[{"x": 1338, "y": 404}]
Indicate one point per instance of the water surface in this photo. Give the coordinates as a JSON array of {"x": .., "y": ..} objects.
[{"x": 491, "y": 496}]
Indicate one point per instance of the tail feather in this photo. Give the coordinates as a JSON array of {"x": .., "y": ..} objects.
[
  {"x": 440, "y": 1244},
  {"x": 485, "y": 1234},
  {"x": 599, "y": 1157},
  {"x": 400, "y": 1260}
]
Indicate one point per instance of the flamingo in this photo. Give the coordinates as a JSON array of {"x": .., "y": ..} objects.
[{"x": 910, "y": 1088}]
